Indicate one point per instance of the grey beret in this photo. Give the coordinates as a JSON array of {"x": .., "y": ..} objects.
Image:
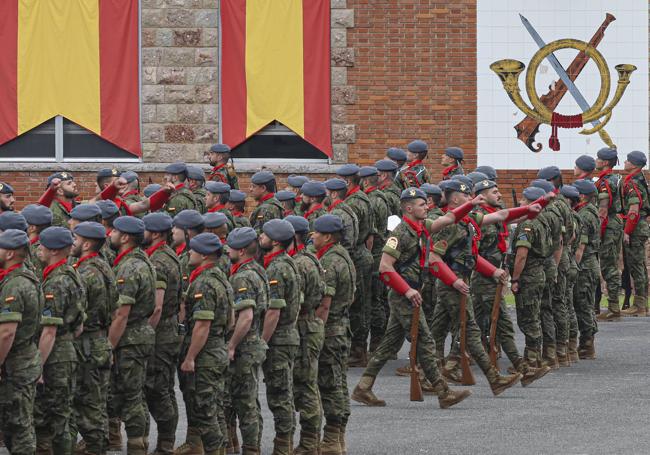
[
  {"x": 37, "y": 214},
  {"x": 430, "y": 189},
  {"x": 220, "y": 148},
  {"x": 335, "y": 184},
  {"x": 585, "y": 186},
  {"x": 586, "y": 163},
  {"x": 543, "y": 184},
  {"x": 313, "y": 188},
  {"x": 484, "y": 185},
  {"x": 206, "y": 243},
  {"x": 278, "y": 230},
  {"x": 549, "y": 173},
  {"x": 607, "y": 154},
  {"x": 5, "y": 188},
  {"x": 85, "y": 212},
  {"x": 157, "y": 222},
  {"x": 217, "y": 187},
  {"x": 214, "y": 220},
  {"x": 476, "y": 177},
  {"x": 241, "y": 237},
  {"x": 569, "y": 191},
  {"x": 444, "y": 184},
  {"x": 107, "y": 172},
  {"x": 386, "y": 165},
  {"x": 489, "y": 171},
  {"x": 195, "y": 173},
  {"x": 262, "y": 177},
  {"x": 12, "y": 239},
  {"x": 129, "y": 225},
  {"x": 397, "y": 154},
  {"x": 176, "y": 168},
  {"x": 237, "y": 196},
  {"x": 532, "y": 193},
  {"x": 90, "y": 230},
  {"x": 637, "y": 158},
  {"x": 188, "y": 219},
  {"x": 458, "y": 186},
  {"x": 367, "y": 171},
  {"x": 299, "y": 223},
  {"x": 347, "y": 170},
  {"x": 151, "y": 189},
  {"x": 455, "y": 153},
  {"x": 296, "y": 181},
  {"x": 285, "y": 195},
  {"x": 328, "y": 224},
  {"x": 56, "y": 237},
  {"x": 12, "y": 220},
  {"x": 129, "y": 176},
  {"x": 107, "y": 207},
  {"x": 463, "y": 179},
  {"x": 417, "y": 146},
  {"x": 64, "y": 175},
  {"x": 412, "y": 193}
]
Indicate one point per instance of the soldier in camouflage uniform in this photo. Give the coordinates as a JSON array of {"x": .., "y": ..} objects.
[
  {"x": 218, "y": 194},
  {"x": 635, "y": 202},
  {"x": 130, "y": 334},
  {"x": 21, "y": 304},
  {"x": 185, "y": 226},
  {"x": 288, "y": 201},
  {"x": 161, "y": 368},
  {"x": 311, "y": 330},
  {"x": 217, "y": 224},
  {"x": 413, "y": 173},
  {"x": 386, "y": 170},
  {"x": 237, "y": 204},
  {"x": 295, "y": 183},
  {"x": 313, "y": 205},
  {"x": 268, "y": 208},
  {"x": 208, "y": 310},
  {"x": 131, "y": 193},
  {"x": 84, "y": 212},
  {"x": 396, "y": 155},
  {"x": 222, "y": 170},
  {"x": 60, "y": 196},
  {"x": 282, "y": 337},
  {"x": 110, "y": 212},
  {"x": 7, "y": 199},
  {"x": 93, "y": 348},
  {"x": 105, "y": 178},
  {"x": 336, "y": 205},
  {"x": 181, "y": 198},
  {"x": 452, "y": 159},
  {"x": 196, "y": 183},
  {"x": 38, "y": 219},
  {"x": 62, "y": 319},
  {"x": 429, "y": 296},
  {"x": 246, "y": 349}
]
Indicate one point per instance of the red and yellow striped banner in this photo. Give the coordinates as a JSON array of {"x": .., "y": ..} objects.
[
  {"x": 74, "y": 58},
  {"x": 275, "y": 65}
]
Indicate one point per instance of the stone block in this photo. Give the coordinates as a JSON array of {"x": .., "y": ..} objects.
[
  {"x": 210, "y": 37},
  {"x": 339, "y": 114},
  {"x": 339, "y": 153},
  {"x": 343, "y": 134},
  {"x": 206, "y": 134},
  {"x": 339, "y": 75},
  {"x": 344, "y": 94},
  {"x": 149, "y": 74},
  {"x": 171, "y": 76},
  {"x": 168, "y": 153},
  {"x": 343, "y": 56},
  {"x": 164, "y": 37},
  {"x": 153, "y": 94},
  {"x": 152, "y": 17},
  {"x": 187, "y": 38},
  {"x": 179, "y": 94},
  {"x": 177, "y": 56},
  {"x": 342, "y": 18},
  {"x": 182, "y": 3},
  {"x": 166, "y": 113},
  {"x": 206, "y": 94},
  {"x": 179, "y": 133},
  {"x": 338, "y": 37},
  {"x": 207, "y": 18},
  {"x": 201, "y": 75},
  {"x": 151, "y": 56},
  {"x": 338, "y": 4},
  {"x": 152, "y": 132},
  {"x": 211, "y": 114},
  {"x": 148, "y": 37},
  {"x": 148, "y": 112},
  {"x": 179, "y": 17},
  {"x": 190, "y": 113},
  {"x": 208, "y": 56}
]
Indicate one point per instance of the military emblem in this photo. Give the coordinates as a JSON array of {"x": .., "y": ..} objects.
[
  {"x": 412, "y": 193},
  {"x": 392, "y": 242},
  {"x": 64, "y": 175},
  {"x": 1, "y": 186},
  {"x": 463, "y": 187},
  {"x": 114, "y": 171}
]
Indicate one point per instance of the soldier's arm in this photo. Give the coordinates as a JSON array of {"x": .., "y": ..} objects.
[
  {"x": 510, "y": 215},
  {"x": 118, "y": 326},
  {"x": 520, "y": 262},
  {"x": 584, "y": 240},
  {"x": 154, "y": 319},
  {"x": 11, "y": 309},
  {"x": 276, "y": 304},
  {"x": 7, "y": 335},
  {"x": 244, "y": 305},
  {"x": 50, "y": 320},
  {"x": 127, "y": 287},
  {"x": 46, "y": 342},
  {"x": 330, "y": 281},
  {"x": 200, "y": 334},
  {"x": 394, "y": 280}
]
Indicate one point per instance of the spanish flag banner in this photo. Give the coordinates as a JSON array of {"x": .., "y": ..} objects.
[
  {"x": 74, "y": 58},
  {"x": 275, "y": 65}
]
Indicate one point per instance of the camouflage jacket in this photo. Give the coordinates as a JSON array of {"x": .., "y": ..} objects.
[
  {"x": 350, "y": 224},
  {"x": 412, "y": 174},
  {"x": 285, "y": 294},
  {"x": 311, "y": 273},
  {"x": 181, "y": 199},
  {"x": 251, "y": 290},
  {"x": 380, "y": 213},
  {"x": 457, "y": 244},
  {"x": 240, "y": 220},
  {"x": 269, "y": 209},
  {"x": 222, "y": 209},
  {"x": 313, "y": 214},
  {"x": 340, "y": 277},
  {"x": 634, "y": 190},
  {"x": 589, "y": 229},
  {"x": 359, "y": 202},
  {"x": 528, "y": 235},
  {"x": 169, "y": 279},
  {"x": 225, "y": 173},
  {"x": 61, "y": 213},
  {"x": 393, "y": 194},
  {"x": 608, "y": 190},
  {"x": 199, "y": 198},
  {"x": 101, "y": 292}
]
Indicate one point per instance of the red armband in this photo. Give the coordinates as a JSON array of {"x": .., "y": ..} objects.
[
  {"x": 484, "y": 267},
  {"x": 109, "y": 192},
  {"x": 603, "y": 226},
  {"x": 462, "y": 211},
  {"x": 541, "y": 201},
  {"x": 517, "y": 212},
  {"x": 395, "y": 281},
  {"x": 47, "y": 197},
  {"x": 442, "y": 271},
  {"x": 158, "y": 199},
  {"x": 630, "y": 224}
]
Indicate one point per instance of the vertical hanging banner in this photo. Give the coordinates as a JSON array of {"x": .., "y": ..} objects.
[
  {"x": 275, "y": 65},
  {"x": 74, "y": 58}
]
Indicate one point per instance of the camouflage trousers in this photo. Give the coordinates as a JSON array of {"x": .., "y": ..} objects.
[
  {"x": 559, "y": 300},
  {"x": 53, "y": 406},
  {"x": 17, "y": 414},
  {"x": 635, "y": 259},
  {"x": 583, "y": 296},
  {"x": 379, "y": 309},
  {"x": 610, "y": 249},
  {"x": 305, "y": 373},
  {"x": 546, "y": 313},
  {"x": 429, "y": 299},
  {"x": 90, "y": 400},
  {"x": 159, "y": 388},
  {"x": 360, "y": 309},
  {"x": 128, "y": 375},
  {"x": 571, "y": 278},
  {"x": 278, "y": 377},
  {"x": 332, "y": 377},
  {"x": 528, "y": 303}
]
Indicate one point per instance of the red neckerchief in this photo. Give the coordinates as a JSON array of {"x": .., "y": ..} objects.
[
  {"x": 237, "y": 213},
  {"x": 468, "y": 219},
  {"x": 153, "y": 248},
  {"x": 180, "y": 186},
  {"x": 446, "y": 171},
  {"x": 85, "y": 258},
  {"x": 334, "y": 204},
  {"x": 351, "y": 191},
  {"x": 217, "y": 207},
  {"x": 120, "y": 203},
  {"x": 269, "y": 257},
  {"x": 50, "y": 268},
  {"x": 370, "y": 189},
  {"x": 583, "y": 176},
  {"x": 421, "y": 232},
  {"x": 309, "y": 212},
  {"x": 298, "y": 198},
  {"x": 5, "y": 272},
  {"x": 108, "y": 232},
  {"x": 235, "y": 267},
  {"x": 292, "y": 252},
  {"x": 322, "y": 251},
  {"x": 503, "y": 232},
  {"x": 265, "y": 198},
  {"x": 120, "y": 256},
  {"x": 580, "y": 205},
  {"x": 199, "y": 270},
  {"x": 129, "y": 193},
  {"x": 383, "y": 186},
  {"x": 288, "y": 212},
  {"x": 602, "y": 181},
  {"x": 413, "y": 163},
  {"x": 628, "y": 180},
  {"x": 34, "y": 240},
  {"x": 431, "y": 206},
  {"x": 216, "y": 173},
  {"x": 65, "y": 204},
  {"x": 180, "y": 248}
]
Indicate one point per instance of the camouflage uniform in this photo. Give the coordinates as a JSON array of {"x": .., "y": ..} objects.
[
  {"x": 393, "y": 194},
  {"x": 34, "y": 263},
  {"x": 350, "y": 224},
  {"x": 588, "y": 271},
  {"x": 450, "y": 171},
  {"x": 61, "y": 212},
  {"x": 21, "y": 301},
  {"x": 65, "y": 300},
  {"x": 239, "y": 220},
  {"x": 132, "y": 197},
  {"x": 208, "y": 298},
  {"x": 199, "y": 196},
  {"x": 94, "y": 350},
  {"x": 181, "y": 199},
  {"x": 313, "y": 214},
  {"x": 412, "y": 174},
  {"x": 222, "y": 209},
  {"x": 429, "y": 295},
  {"x": 268, "y": 209},
  {"x": 571, "y": 278},
  {"x": 225, "y": 173}
]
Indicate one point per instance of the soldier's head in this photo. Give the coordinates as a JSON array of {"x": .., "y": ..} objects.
[
  {"x": 369, "y": 177},
  {"x": 132, "y": 180},
  {"x": 106, "y": 177},
  {"x": 7, "y": 199},
  {"x": 242, "y": 244},
  {"x": 586, "y": 189},
  {"x": 571, "y": 193},
  {"x": 336, "y": 189},
  {"x": 433, "y": 192},
  {"x": 295, "y": 182},
  {"x": 67, "y": 188},
  {"x": 489, "y": 171},
  {"x": 531, "y": 194},
  {"x": 416, "y": 150},
  {"x": 276, "y": 235},
  {"x": 457, "y": 193},
  {"x": 313, "y": 192},
  {"x": 216, "y": 223},
  {"x": 490, "y": 190},
  {"x": 606, "y": 158},
  {"x": 397, "y": 156},
  {"x": 128, "y": 232},
  {"x": 38, "y": 218},
  {"x": 205, "y": 248},
  {"x": 14, "y": 244},
  {"x": 56, "y": 242},
  {"x": 584, "y": 166},
  {"x": 218, "y": 154},
  {"x": 635, "y": 160},
  {"x": 413, "y": 203},
  {"x": 386, "y": 170},
  {"x": 89, "y": 237},
  {"x": 12, "y": 220},
  {"x": 350, "y": 174},
  {"x": 157, "y": 228},
  {"x": 195, "y": 177},
  {"x": 109, "y": 212},
  {"x": 84, "y": 212},
  {"x": 300, "y": 227},
  {"x": 287, "y": 199},
  {"x": 327, "y": 229},
  {"x": 236, "y": 201},
  {"x": 452, "y": 156},
  {"x": 552, "y": 174},
  {"x": 176, "y": 173},
  {"x": 262, "y": 183},
  {"x": 186, "y": 225},
  {"x": 217, "y": 193}
]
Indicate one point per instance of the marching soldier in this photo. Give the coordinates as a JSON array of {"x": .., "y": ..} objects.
[
  {"x": 262, "y": 189},
  {"x": 109, "y": 213},
  {"x": 489, "y": 172},
  {"x": 236, "y": 204},
  {"x": 7, "y": 199},
  {"x": 217, "y": 224},
  {"x": 288, "y": 201},
  {"x": 336, "y": 205},
  {"x": 131, "y": 193},
  {"x": 312, "y": 206},
  {"x": 84, "y": 212},
  {"x": 414, "y": 174},
  {"x": 105, "y": 178},
  {"x": 60, "y": 196},
  {"x": 222, "y": 170},
  {"x": 386, "y": 170},
  {"x": 185, "y": 226},
  {"x": 196, "y": 183},
  {"x": 397, "y": 155},
  {"x": 452, "y": 159},
  {"x": 295, "y": 183},
  {"x": 218, "y": 195},
  {"x": 584, "y": 166},
  {"x": 181, "y": 198},
  {"x": 38, "y": 218}
]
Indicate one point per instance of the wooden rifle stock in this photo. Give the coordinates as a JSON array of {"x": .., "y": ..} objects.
[
  {"x": 467, "y": 378},
  {"x": 416, "y": 388},
  {"x": 496, "y": 307}
]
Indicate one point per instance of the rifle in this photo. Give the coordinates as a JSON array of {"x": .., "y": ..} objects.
[
  {"x": 416, "y": 388},
  {"x": 467, "y": 378},
  {"x": 496, "y": 307},
  {"x": 515, "y": 202}
]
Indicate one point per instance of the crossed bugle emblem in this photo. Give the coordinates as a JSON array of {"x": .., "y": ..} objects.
[{"x": 542, "y": 110}]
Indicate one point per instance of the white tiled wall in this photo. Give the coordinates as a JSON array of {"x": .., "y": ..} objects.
[{"x": 501, "y": 34}]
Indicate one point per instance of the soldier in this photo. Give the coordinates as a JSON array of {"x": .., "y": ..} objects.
[
  {"x": 131, "y": 193},
  {"x": 584, "y": 166},
  {"x": 130, "y": 334},
  {"x": 12, "y": 220},
  {"x": 182, "y": 198},
  {"x": 161, "y": 369},
  {"x": 38, "y": 218},
  {"x": 396, "y": 155},
  {"x": 84, "y": 212},
  {"x": 336, "y": 191},
  {"x": 268, "y": 208},
  {"x": 196, "y": 183},
  {"x": 208, "y": 310},
  {"x": 217, "y": 224},
  {"x": 386, "y": 170},
  {"x": 589, "y": 269},
  {"x": 109, "y": 213},
  {"x": 218, "y": 194},
  {"x": 150, "y": 189},
  {"x": 171, "y": 196},
  {"x": 124, "y": 192},
  {"x": 62, "y": 319},
  {"x": 489, "y": 172},
  {"x": 237, "y": 204},
  {"x": 635, "y": 203},
  {"x": 105, "y": 178},
  {"x": 186, "y": 225},
  {"x": 288, "y": 201},
  {"x": 452, "y": 159},
  {"x": 7, "y": 199},
  {"x": 93, "y": 348},
  {"x": 60, "y": 196},
  {"x": 414, "y": 174},
  {"x": 313, "y": 197},
  {"x": 246, "y": 350},
  {"x": 222, "y": 170},
  {"x": 295, "y": 183},
  {"x": 21, "y": 304},
  {"x": 311, "y": 329},
  {"x": 611, "y": 230}
]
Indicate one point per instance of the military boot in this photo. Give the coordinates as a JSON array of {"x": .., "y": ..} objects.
[
  {"x": 363, "y": 393},
  {"x": 587, "y": 351},
  {"x": 344, "y": 449},
  {"x": 233, "y": 440},
  {"x": 331, "y": 444},
  {"x": 563, "y": 354},
  {"x": 114, "y": 434},
  {"x": 358, "y": 357},
  {"x": 529, "y": 375},
  {"x": 136, "y": 446},
  {"x": 531, "y": 356},
  {"x": 250, "y": 450},
  {"x": 44, "y": 445},
  {"x": 549, "y": 357},
  {"x": 573, "y": 350},
  {"x": 165, "y": 445},
  {"x": 451, "y": 371},
  {"x": 499, "y": 383},
  {"x": 193, "y": 444},
  {"x": 638, "y": 309},
  {"x": 427, "y": 387},
  {"x": 282, "y": 444},
  {"x": 609, "y": 316},
  {"x": 448, "y": 397},
  {"x": 308, "y": 444},
  {"x": 219, "y": 451},
  {"x": 404, "y": 371},
  {"x": 80, "y": 448}
]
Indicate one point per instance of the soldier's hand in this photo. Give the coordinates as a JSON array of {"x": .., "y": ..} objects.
[
  {"x": 55, "y": 183},
  {"x": 40, "y": 380},
  {"x": 534, "y": 208},
  {"x": 549, "y": 196},
  {"x": 514, "y": 287},
  {"x": 120, "y": 183},
  {"x": 500, "y": 275},
  {"x": 478, "y": 200},
  {"x": 169, "y": 187},
  {"x": 187, "y": 366},
  {"x": 626, "y": 238},
  {"x": 461, "y": 286},
  {"x": 414, "y": 297}
]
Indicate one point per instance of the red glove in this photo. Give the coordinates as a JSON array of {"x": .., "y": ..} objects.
[
  {"x": 442, "y": 271},
  {"x": 461, "y": 211},
  {"x": 109, "y": 192},
  {"x": 603, "y": 226},
  {"x": 158, "y": 199},
  {"x": 630, "y": 224},
  {"x": 541, "y": 201},
  {"x": 516, "y": 212},
  {"x": 395, "y": 281},
  {"x": 484, "y": 267},
  {"x": 47, "y": 197}
]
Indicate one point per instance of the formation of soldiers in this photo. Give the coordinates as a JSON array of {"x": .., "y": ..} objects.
[{"x": 103, "y": 304}]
